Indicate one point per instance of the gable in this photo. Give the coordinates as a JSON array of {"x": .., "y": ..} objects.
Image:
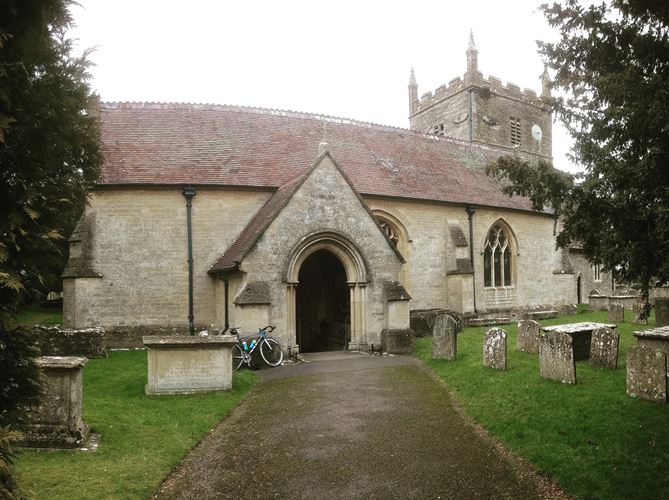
[{"x": 316, "y": 197}]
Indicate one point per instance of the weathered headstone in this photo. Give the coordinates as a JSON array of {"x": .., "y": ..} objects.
[
  {"x": 556, "y": 357},
  {"x": 647, "y": 374},
  {"x": 398, "y": 340},
  {"x": 567, "y": 309},
  {"x": 56, "y": 422},
  {"x": 616, "y": 313},
  {"x": 604, "y": 348},
  {"x": 528, "y": 336},
  {"x": 662, "y": 311},
  {"x": 640, "y": 313},
  {"x": 444, "y": 338},
  {"x": 494, "y": 349}
]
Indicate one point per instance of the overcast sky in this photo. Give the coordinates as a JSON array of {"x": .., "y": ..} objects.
[{"x": 346, "y": 58}]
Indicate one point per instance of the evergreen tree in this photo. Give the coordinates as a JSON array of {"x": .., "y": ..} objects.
[
  {"x": 49, "y": 145},
  {"x": 612, "y": 65}
]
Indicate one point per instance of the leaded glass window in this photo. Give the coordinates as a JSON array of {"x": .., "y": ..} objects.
[{"x": 497, "y": 258}]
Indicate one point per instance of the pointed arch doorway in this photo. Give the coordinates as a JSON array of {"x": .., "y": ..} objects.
[
  {"x": 322, "y": 304},
  {"x": 326, "y": 303}
]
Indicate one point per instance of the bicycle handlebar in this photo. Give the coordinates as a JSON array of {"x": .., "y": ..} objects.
[{"x": 271, "y": 328}]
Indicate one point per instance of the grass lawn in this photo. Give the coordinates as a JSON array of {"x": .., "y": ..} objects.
[
  {"x": 35, "y": 315},
  {"x": 142, "y": 437},
  {"x": 593, "y": 439}
]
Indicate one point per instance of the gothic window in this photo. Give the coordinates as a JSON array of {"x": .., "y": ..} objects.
[
  {"x": 497, "y": 268},
  {"x": 515, "y": 130},
  {"x": 597, "y": 272}
]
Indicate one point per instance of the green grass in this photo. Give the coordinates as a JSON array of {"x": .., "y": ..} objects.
[
  {"x": 36, "y": 315},
  {"x": 142, "y": 437},
  {"x": 593, "y": 439}
]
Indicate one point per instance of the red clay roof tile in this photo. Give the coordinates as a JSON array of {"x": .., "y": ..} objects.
[{"x": 153, "y": 143}]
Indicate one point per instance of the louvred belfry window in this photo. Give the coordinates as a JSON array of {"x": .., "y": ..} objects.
[{"x": 497, "y": 258}]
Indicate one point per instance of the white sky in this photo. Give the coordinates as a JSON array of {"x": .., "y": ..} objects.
[{"x": 345, "y": 58}]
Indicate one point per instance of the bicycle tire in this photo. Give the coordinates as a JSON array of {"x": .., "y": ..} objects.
[
  {"x": 271, "y": 352},
  {"x": 237, "y": 357}
]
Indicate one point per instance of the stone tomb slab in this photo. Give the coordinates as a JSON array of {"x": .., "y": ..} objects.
[
  {"x": 189, "y": 364},
  {"x": 56, "y": 422},
  {"x": 581, "y": 334},
  {"x": 647, "y": 374},
  {"x": 528, "y": 336},
  {"x": 444, "y": 338},
  {"x": 604, "y": 348},
  {"x": 556, "y": 357},
  {"x": 494, "y": 349}
]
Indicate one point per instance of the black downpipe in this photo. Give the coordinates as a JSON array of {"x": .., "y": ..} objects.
[
  {"x": 470, "y": 215},
  {"x": 227, "y": 323},
  {"x": 189, "y": 193}
]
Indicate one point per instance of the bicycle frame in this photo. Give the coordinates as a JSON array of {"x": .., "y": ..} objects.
[{"x": 262, "y": 334}]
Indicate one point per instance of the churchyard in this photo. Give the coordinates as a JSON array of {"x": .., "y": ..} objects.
[{"x": 591, "y": 438}]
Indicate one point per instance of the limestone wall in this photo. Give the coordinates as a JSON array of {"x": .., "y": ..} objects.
[
  {"x": 324, "y": 203},
  {"x": 432, "y": 251},
  {"x": 141, "y": 251}
]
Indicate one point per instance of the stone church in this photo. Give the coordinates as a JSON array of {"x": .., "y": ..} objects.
[{"x": 329, "y": 228}]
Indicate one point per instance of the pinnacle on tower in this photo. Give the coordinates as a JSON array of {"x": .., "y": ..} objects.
[
  {"x": 472, "y": 56},
  {"x": 545, "y": 83},
  {"x": 413, "y": 93}
]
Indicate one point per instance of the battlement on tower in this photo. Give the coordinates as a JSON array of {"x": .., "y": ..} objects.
[{"x": 492, "y": 84}]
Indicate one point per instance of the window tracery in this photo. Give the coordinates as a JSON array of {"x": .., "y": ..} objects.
[{"x": 497, "y": 258}]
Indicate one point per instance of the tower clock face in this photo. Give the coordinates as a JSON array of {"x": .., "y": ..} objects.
[{"x": 536, "y": 132}]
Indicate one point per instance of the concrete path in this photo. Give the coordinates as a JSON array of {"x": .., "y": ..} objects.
[{"x": 352, "y": 426}]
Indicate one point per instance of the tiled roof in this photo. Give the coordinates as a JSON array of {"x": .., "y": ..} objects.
[
  {"x": 256, "y": 227},
  {"x": 153, "y": 143}
]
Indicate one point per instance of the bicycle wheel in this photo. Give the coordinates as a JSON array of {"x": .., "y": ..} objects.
[
  {"x": 271, "y": 352},
  {"x": 237, "y": 357}
]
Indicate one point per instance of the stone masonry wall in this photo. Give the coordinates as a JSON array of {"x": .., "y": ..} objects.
[
  {"x": 141, "y": 251},
  {"x": 324, "y": 203},
  {"x": 534, "y": 261}
]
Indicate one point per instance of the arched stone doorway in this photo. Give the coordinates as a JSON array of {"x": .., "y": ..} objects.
[
  {"x": 335, "y": 254},
  {"x": 322, "y": 304}
]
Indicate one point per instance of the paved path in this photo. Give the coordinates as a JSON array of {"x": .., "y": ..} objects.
[{"x": 355, "y": 426}]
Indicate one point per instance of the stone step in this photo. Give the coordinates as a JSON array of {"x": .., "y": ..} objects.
[
  {"x": 488, "y": 321},
  {"x": 537, "y": 315}
]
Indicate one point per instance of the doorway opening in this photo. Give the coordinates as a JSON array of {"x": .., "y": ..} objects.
[
  {"x": 323, "y": 304},
  {"x": 578, "y": 290}
]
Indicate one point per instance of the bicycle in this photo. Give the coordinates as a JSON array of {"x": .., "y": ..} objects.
[{"x": 242, "y": 352}]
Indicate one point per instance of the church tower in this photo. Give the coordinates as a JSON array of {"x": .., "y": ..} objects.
[{"x": 484, "y": 111}]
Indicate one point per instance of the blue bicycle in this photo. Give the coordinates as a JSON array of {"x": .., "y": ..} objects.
[{"x": 242, "y": 352}]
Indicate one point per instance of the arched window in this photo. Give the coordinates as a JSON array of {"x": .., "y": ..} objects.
[
  {"x": 390, "y": 230},
  {"x": 497, "y": 258}
]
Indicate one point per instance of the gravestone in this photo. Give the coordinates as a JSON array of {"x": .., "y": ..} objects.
[
  {"x": 398, "y": 340},
  {"x": 56, "y": 421},
  {"x": 616, "y": 313},
  {"x": 444, "y": 338},
  {"x": 662, "y": 311},
  {"x": 567, "y": 309},
  {"x": 604, "y": 348},
  {"x": 556, "y": 357},
  {"x": 647, "y": 374},
  {"x": 528, "y": 336},
  {"x": 494, "y": 349},
  {"x": 640, "y": 313}
]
